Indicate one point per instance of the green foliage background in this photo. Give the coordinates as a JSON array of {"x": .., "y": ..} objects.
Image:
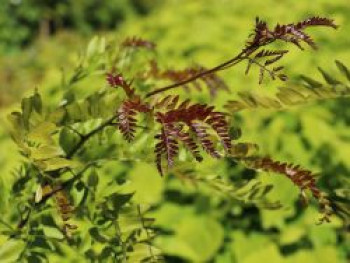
[{"x": 196, "y": 225}]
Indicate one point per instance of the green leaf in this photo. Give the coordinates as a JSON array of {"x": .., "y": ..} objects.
[
  {"x": 322, "y": 236},
  {"x": 146, "y": 174},
  {"x": 92, "y": 47},
  {"x": 129, "y": 221},
  {"x": 69, "y": 96},
  {"x": 343, "y": 192},
  {"x": 325, "y": 254},
  {"x": 311, "y": 82},
  {"x": 93, "y": 178},
  {"x": 38, "y": 194},
  {"x": 142, "y": 251},
  {"x": 68, "y": 139},
  {"x": 45, "y": 152},
  {"x": 343, "y": 69},
  {"x": 26, "y": 107},
  {"x": 74, "y": 112},
  {"x": 10, "y": 251},
  {"x": 16, "y": 120},
  {"x": 42, "y": 133},
  {"x": 170, "y": 215},
  {"x": 57, "y": 163},
  {"x": 291, "y": 234},
  {"x": 94, "y": 232},
  {"x": 328, "y": 78},
  {"x": 57, "y": 116},
  {"x": 196, "y": 239},
  {"x": 37, "y": 102},
  {"x": 107, "y": 252},
  {"x": 18, "y": 130},
  {"x": 254, "y": 248},
  {"x": 102, "y": 45},
  {"x": 244, "y": 149},
  {"x": 96, "y": 46},
  {"x": 52, "y": 232},
  {"x": 235, "y": 133},
  {"x": 291, "y": 96}
]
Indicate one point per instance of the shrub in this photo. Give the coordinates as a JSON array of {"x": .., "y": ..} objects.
[{"x": 96, "y": 159}]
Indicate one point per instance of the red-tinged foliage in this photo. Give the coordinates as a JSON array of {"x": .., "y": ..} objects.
[
  {"x": 117, "y": 80},
  {"x": 261, "y": 37},
  {"x": 192, "y": 125},
  {"x": 126, "y": 116},
  {"x": 198, "y": 125},
  {"x": 293, "y": 33},
  {"x": 168, "y": 102},
  {"x": 316, "y": 21},
  {"x": 189, "y": 142},
  {"x": 137, "y": 42},
  {"x": 212, "y": 81},
  {"x": 302, "y": 178},
  {"x": 189, "y": 124},
  {"x": 64, "y": 206},
  {"x": 201, "y": 132},
  {"x": 217, "y": 121},
  {"x": 167, "y": 145}
]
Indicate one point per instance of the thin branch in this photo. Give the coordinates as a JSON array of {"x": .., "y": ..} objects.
[
  {"x": 264, "y": 68},
  {"x": 84, "y": 138},
  {"x": 75, "y": 131},
  {"x": 229, "y": 63},
  {"x": 77, "y": 176},
  {"x": 146, "y": 230},
  {"x": 24, "y": 220},
  {"x": 65, "y": 184},
  {"x": 122, "y": 243},
  {"x": 6, "y": 224}
]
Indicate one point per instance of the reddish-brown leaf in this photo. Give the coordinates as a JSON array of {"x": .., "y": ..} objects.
[
  {"x": 189, "y": 124},
  {"x": 303, "y": 178},
  {"x": 137, "y": 42},
  {"x": 117, "y": 80},
  {"x": 212, "y": 81},
  {"x": 127, "y": 116}
]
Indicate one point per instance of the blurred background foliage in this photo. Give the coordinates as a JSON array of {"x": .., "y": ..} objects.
[{"x": 41, "y": 39}]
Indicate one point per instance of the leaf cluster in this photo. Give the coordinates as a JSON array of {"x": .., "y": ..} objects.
[{"x": 128, "y": 120}]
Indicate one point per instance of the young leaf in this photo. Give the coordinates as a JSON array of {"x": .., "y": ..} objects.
[
  {"x": 343, "y": 69},
  {"x": 329, "y": 79}
]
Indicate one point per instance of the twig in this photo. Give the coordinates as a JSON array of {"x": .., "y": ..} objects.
[
  {"x": 146, "y": 230},
  {"x": 6, "y": 224},
  {"x": 261, "y": 66},
  {"x": 85, "y": 137},
  {"x": 229, "y": 63},
  {"x": 76, "y": 131}
]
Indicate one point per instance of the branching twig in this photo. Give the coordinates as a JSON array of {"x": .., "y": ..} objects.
[
  {"x": 262, "y": 67},
  {"x": 229, "y": 63},
  {"x": 85, "y": 137}
]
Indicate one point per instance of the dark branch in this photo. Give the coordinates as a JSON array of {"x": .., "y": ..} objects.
[
  {"x": 85, "y": 137},
  {"x": 231, "y": 62}
]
